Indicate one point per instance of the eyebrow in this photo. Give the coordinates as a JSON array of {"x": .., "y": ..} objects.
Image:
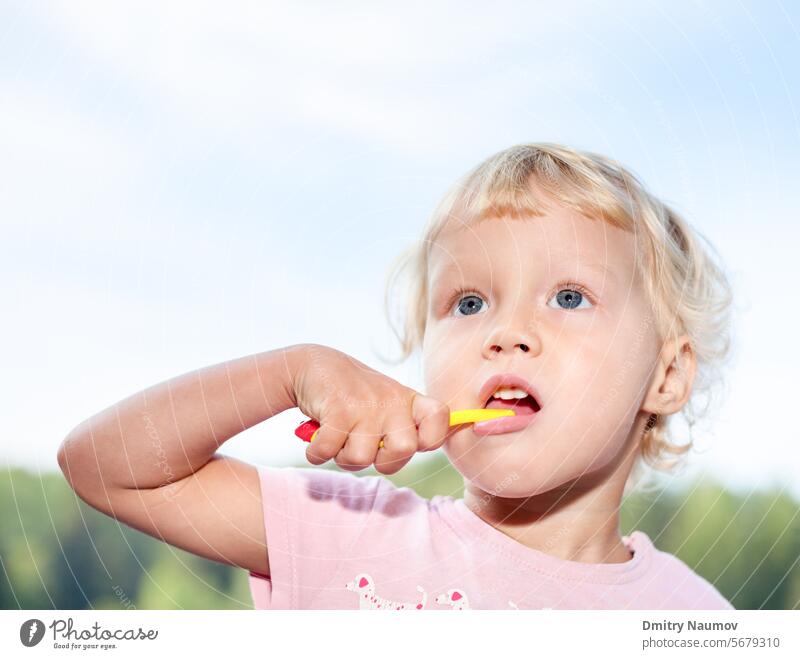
[{"x": 600, "y": 268}]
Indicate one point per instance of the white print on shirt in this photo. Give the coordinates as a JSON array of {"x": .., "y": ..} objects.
[
  {"x": 456, "y": 598},
  {"x": 364, "y": 585}
]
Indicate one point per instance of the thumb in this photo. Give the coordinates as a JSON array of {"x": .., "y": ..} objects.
[{"x": 432, "y": 418}]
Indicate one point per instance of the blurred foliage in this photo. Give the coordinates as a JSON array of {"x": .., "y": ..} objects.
[{"x": 58, "y": 552}]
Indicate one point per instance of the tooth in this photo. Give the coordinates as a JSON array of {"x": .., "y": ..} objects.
[{"x": 509, "y": 393}]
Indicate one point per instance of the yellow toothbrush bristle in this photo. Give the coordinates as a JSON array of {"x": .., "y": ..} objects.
[{"x": 474, "y": 416}]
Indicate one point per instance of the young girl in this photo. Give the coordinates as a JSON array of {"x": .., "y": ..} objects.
[{"x": 548, "y": 280}]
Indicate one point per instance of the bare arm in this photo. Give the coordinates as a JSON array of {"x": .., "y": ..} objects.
[{"x": 150, "y": 460}]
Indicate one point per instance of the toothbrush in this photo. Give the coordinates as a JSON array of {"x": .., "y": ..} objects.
[{"x": 308, "y": 429}]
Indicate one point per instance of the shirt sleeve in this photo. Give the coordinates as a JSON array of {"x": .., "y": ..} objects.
[
  {"x": 692, "y": 590},
  {"x": 708, "y": 597},
  {"x": 312, "y": 517}
]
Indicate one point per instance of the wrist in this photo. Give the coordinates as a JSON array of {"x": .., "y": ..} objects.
[{"x": 295, "y": 357}]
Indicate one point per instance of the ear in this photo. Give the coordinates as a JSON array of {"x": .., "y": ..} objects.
[{"x": 672, "y": 380}]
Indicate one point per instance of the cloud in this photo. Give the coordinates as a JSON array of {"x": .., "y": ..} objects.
[
  {"x": 55, "y": 158},
  {"x": 415, "y": 73}
]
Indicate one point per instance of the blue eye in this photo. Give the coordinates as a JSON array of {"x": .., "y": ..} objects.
[
  {"x": 470, "y": 305},
  {"x": 570, "y": 298}
]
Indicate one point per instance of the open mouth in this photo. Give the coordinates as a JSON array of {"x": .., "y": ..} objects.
[{"x": 527, "y": 405}]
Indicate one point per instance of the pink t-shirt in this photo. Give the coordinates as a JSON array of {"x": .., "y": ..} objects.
[{"x": 341, "y": 541}]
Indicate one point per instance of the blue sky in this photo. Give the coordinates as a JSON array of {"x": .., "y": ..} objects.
[{"x": 186, "y": 184}]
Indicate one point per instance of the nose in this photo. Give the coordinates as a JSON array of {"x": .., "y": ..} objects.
[{"x": 508, "y": 338}]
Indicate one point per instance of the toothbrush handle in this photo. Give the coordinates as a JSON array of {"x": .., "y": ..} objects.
[{"x": 308, "y": 429}]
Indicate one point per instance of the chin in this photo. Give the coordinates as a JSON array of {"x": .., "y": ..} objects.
[
  {"x": 522, "y": 487},
  {"x": 502, "y": 476},
  {"x": 513, "y": 474},
  {"x": 510, "y": 484}
]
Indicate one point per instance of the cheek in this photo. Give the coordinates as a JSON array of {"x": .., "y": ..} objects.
[
  {"x": 626, "y": 367},
  {"x": 597, "y": 360},
  {"x": 606, "y": 391},
  {"x": 446, "y": 363},
  {"x": 444, "y": 378}
]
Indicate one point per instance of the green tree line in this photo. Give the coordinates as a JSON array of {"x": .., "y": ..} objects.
[{"x": 56, "y": 552}]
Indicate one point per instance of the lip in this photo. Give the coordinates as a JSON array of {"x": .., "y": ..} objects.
[
  {"x": 504, "y": 424},
  {"x": 509, "y": 380}
]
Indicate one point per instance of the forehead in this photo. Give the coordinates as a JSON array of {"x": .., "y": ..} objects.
[{"x": 560, "y": 237}]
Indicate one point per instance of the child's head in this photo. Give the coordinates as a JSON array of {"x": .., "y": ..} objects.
[{"x": 558, "y": 266}]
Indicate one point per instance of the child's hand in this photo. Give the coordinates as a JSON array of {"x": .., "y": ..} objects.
[{"x": 357, "y": 406}]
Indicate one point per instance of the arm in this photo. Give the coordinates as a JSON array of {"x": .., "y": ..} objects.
[{"x": 150, "y": 460}]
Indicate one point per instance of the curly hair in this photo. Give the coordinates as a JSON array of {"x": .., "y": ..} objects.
[{"x": 688, "y": 291}]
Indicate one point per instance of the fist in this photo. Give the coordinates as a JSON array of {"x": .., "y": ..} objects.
[{"x": 357, "y": 407}]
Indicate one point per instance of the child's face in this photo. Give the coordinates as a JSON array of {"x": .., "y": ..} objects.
[{"x": 590, "y": 357}]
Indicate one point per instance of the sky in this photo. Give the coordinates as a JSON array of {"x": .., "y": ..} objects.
[{"x": 186, "y": 183}]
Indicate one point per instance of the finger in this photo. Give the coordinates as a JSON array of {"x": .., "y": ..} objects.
[
  {"x": 432, "y": 417},
  {"x": 329, "y": 439},
  {"x": 400, "y": 443},
  {"x": 360, "y": 448}
]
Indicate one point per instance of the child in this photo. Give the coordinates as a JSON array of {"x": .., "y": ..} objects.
[{"x": 548, "y": 280}]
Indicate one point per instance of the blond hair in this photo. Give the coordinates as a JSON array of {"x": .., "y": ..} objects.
[{"x": 689, "y": 292}]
